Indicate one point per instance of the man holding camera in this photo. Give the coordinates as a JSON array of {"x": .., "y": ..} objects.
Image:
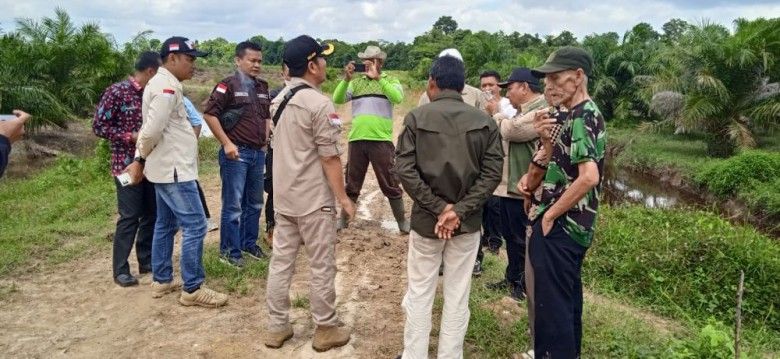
[
  {"x": 373, "y": 94},
  {"x": 237, "y": 112}
]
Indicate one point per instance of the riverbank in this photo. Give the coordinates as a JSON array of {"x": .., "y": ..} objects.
[{"x": 744, "y": 188}]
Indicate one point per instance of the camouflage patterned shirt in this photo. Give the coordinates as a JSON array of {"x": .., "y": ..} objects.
[{"x": 583, "y": 138}]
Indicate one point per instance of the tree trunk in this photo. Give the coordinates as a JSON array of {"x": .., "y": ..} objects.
[{"x": 720, "y": 145}]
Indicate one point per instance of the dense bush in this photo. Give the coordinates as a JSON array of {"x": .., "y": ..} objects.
[
  {"x": 745, "y": 169},
  {"x": 686, "y": 264}
]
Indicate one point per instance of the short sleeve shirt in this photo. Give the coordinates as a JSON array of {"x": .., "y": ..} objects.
[
  {"x": 583, "y": 138},
  {"x": 308, "y": 129}
]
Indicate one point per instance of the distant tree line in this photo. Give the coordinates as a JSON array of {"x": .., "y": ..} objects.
[{"x": 689, "y": 78}]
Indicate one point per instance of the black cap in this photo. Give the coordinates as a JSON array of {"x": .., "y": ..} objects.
[
  {"x": 180, "y": 45},
  {"x": 520, "y": 74},
  {"x": 302, "y": 49},
  {"x": 566, "y": 58}
]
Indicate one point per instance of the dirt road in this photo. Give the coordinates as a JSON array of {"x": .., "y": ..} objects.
[{"x": 75, "y": 310}]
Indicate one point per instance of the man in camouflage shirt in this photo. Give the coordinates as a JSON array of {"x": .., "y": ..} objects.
[{"x": 567, "y": 213}]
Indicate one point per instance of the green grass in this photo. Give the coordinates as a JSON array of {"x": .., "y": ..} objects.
[
  {"x": 233, "y": 280},
  {"x": 300, "y": 302},
  {"x": 57, "y": 215},
  {"x": 685, "y": 264}
]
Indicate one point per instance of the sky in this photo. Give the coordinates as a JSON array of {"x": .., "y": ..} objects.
[{"x": 357, "y": 21}]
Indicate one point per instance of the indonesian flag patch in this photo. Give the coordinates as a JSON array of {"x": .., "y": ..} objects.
[
  {"x": 334, "y": 119},
  {"x": 168, "y": 92},
  {"x": 222, "y": 88},
  {"x": 173, "y": 47}
]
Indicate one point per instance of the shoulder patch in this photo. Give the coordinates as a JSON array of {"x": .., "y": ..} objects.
[
  {"x": 221, "y": 88},
  {"x": 334, "y": 119},
  {"x": 168, "y": 92}
]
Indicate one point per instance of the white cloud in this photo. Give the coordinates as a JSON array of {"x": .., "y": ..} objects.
[{"x": 369, "y": 20}]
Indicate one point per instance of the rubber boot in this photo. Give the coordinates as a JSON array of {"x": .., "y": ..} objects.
[
  {"x": 397, "y": 205},
  {"x": 326, "y": 338}
]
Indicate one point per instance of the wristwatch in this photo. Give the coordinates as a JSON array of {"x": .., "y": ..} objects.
[{"x": 140, "y": 160}]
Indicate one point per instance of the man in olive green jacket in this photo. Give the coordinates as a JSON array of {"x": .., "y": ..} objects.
[{"x": 449, "y": 160}]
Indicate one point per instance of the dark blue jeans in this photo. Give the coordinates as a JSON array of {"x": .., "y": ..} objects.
[
  {"x": 178, "y": 205},
  {"x": 557, "y": 263},
  {"x": 242, "y": 200}
]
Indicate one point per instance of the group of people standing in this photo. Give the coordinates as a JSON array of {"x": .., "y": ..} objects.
[{"x": 479, "y": 167}]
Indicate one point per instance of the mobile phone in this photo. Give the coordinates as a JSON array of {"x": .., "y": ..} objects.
[
  {"x": 124, "y": 179},
  {"x": 361, "y": 67},
  {"x": 7, "y": 117}
]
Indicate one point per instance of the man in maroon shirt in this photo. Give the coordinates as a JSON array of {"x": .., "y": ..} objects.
[
  {"x": 237, "y": 112},
  {"x": 118, "y": 119}
]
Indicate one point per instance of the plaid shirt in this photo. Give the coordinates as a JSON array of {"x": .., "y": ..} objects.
[{"x": 118, "y": 115}]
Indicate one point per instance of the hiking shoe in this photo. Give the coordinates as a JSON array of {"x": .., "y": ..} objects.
[
  {"x": 277, "y": 338},
  {"x": 125, "y": 280},
  {"x": 256, "y": 253},
  {"x": 326, "y": 338},
  {"x": 233, "y": 262},
  {"x": 517, "y": 293},
  {"x": 527, "y": 355},
  {"x": 477, "y": 269},
  {"x": 203, "y": 297},
  {"x": 212, "y": 226},
  {"x": 161, "y": 289}
]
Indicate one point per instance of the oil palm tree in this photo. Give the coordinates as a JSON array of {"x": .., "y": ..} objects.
[
  {"x": 55, "y": 69},
  {"x": 722, "y": 78}
]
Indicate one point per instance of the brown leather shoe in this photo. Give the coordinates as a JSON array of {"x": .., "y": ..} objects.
[
  {"x": 276, "y": 339},
  {"x": 326, "y": 338}
]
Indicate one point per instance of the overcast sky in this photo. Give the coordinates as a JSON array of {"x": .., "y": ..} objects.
[{"x": 355, "y": 21}]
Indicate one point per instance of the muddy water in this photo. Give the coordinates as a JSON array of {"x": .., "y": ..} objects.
[
  {"x": 625, "y": 186},
  {"x": 621, "y": 186}
]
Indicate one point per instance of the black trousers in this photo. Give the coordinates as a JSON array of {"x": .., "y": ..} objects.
[
  {"x": 137, "y": 213},
  {"x": 557, "y": 264},
  {"x": 491, "y": 225},
  {"x": 268, "y": 187},
  {"x": 513, "y": 223}
]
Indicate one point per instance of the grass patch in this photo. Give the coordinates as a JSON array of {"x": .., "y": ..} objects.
[
  {"x": 300, "y": 302},
  {"x": 225, "y": 277},
  {"x": 685, "y": 264},
  {"x": 56, "y": 215}
]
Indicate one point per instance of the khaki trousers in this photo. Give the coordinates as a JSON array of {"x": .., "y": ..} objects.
[
  {"x": 425, "y": 255},
  {"x": 318, "y": 232}
]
